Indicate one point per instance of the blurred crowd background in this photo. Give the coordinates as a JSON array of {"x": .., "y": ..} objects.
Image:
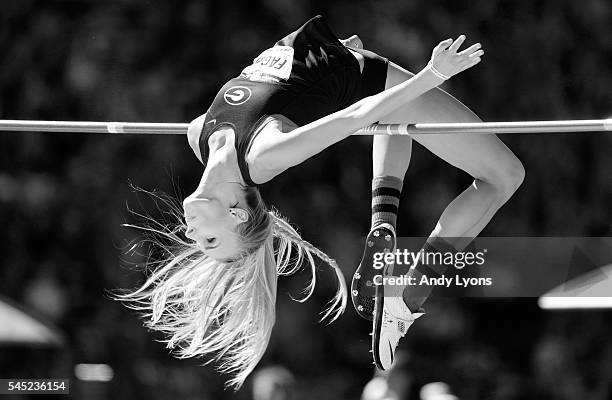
[{"x": 64, "y": 197}]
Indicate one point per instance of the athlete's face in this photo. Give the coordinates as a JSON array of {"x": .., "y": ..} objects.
[{"x": 213, "y": 226}]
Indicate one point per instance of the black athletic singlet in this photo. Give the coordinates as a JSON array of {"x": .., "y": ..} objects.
[{"x": 307, "y": 75}]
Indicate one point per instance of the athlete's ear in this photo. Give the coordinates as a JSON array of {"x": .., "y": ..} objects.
[{"x": 239, "y": 214}]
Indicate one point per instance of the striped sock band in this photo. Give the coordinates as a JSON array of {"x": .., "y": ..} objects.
[
  {"x": 386, "y": 192},
  {"x": 415, "y": 296},
  {"x": 435, "y": 245}
]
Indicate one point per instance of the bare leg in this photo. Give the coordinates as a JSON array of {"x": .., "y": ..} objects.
[
  {"x": 496, "y": 170},
  {"x": 497, "y": 174}
]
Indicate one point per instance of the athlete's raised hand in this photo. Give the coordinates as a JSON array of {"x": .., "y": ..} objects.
[{"x": 447, "y": 61}]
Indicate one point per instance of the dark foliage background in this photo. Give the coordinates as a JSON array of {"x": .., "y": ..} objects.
[{"x": 64, "y": 197}]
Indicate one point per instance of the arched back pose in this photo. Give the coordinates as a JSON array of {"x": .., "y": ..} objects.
[{"x": 216, "y": 295}]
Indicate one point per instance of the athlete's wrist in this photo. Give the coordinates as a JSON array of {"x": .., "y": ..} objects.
[
  {"x": 436, "y": 72},
  {"x": 434, "y": 77}
]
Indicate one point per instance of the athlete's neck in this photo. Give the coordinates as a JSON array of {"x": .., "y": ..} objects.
[{"x": 222, "y": 165}]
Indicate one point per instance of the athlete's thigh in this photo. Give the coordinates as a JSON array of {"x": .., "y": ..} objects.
[{"x": 482, "y": 156}]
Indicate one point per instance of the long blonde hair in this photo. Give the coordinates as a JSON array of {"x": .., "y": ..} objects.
[{"x": 226, "y": 310}]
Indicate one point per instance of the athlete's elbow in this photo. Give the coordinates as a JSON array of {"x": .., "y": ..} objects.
[{"x": 358, "y": 115}]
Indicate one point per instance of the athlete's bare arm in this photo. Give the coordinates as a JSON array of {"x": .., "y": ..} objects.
[{"x": 273, "y": 150}]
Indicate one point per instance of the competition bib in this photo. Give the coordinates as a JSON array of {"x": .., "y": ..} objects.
[{"x": 273, "y": 65}]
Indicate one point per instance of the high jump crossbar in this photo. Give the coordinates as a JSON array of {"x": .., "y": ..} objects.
[{"x": 143, "y": 128}]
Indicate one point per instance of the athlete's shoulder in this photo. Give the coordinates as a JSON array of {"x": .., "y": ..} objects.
[{"x": 193, "y": 135}]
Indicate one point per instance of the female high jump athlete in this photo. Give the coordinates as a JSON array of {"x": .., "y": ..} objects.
[{"x": 216, "y": 295}]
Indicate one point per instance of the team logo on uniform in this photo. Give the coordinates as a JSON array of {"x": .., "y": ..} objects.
[{"x": 237, "y": 95}]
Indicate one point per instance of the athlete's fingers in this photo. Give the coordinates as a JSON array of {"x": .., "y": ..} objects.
[
  {"x": 470, "y": 64},
  {"x": 470, "y": 49},
  {"x": 474, "y": 61},
  {"x": 457, "y": 43},
  {"x": 469, "y": 58},
  {"x": 476, "y": 54},
  {"x": 442, "y": 46}
]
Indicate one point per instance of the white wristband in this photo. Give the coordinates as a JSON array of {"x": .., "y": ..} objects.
[{"x": 436, "y": 72}]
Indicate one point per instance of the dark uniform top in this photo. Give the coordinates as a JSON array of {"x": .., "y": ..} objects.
[{"x": 307, "y": 75}]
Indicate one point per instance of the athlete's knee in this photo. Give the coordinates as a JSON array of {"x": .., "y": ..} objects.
[
  {"x": 508, "y": 178},
  {"x": 515, "y": 175}
]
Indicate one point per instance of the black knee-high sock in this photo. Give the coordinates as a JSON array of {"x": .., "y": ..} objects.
[
  {"x": 415, "y": 296},
  {"x": 386, "y": 192}
]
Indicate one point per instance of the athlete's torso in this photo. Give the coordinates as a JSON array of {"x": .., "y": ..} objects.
[{"x": 300, "y": 78}]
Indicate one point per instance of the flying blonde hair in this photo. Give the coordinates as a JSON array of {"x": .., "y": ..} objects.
[{"x": 226, "y": 310}]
